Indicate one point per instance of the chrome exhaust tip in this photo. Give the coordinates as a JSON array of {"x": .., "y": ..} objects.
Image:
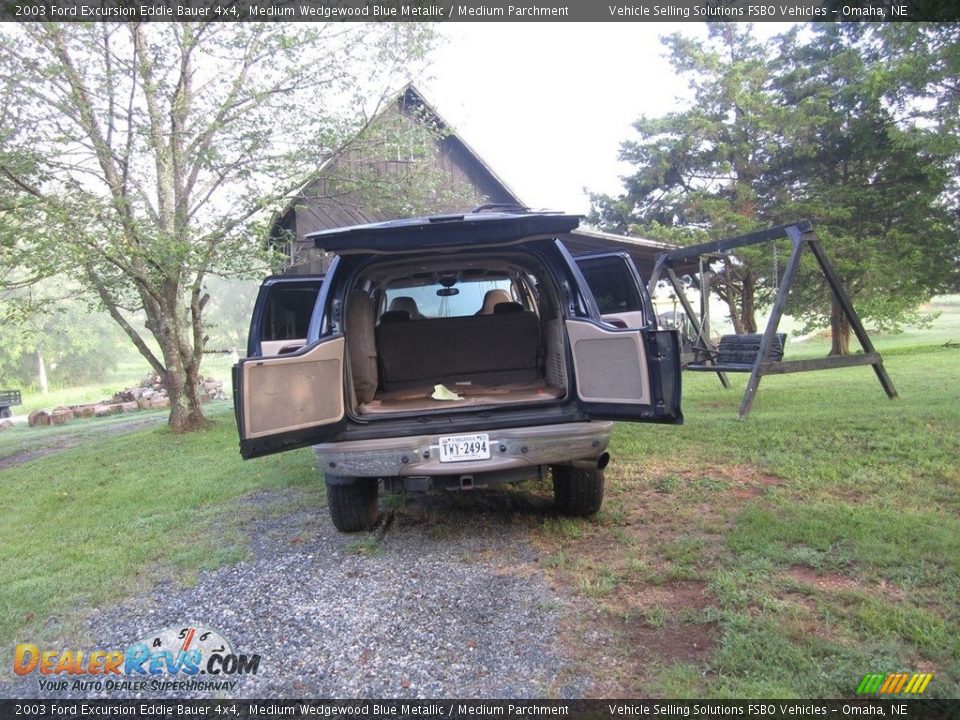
[{"x": 596, "y": 464}]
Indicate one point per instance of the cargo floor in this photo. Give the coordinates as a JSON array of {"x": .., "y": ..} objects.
[{"x": 472, "y": 395}]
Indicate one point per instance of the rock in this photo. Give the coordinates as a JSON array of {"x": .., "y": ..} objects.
[
  {"x": 38, "y": 417},
  {"x": 5, "y": 425},
  {"x": 132, "y": 406},
  {"x": 60, "y": 417},
  {"x": 106, "y": 410}
]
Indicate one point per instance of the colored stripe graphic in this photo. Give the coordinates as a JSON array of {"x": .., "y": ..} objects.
[
  {"x": 870, "y": 683},
  {"x": 894, "y": 683},
  {"x": 889, "y": 683}
]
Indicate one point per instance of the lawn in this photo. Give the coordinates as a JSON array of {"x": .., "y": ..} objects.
[{"x": 782, "y": 556}]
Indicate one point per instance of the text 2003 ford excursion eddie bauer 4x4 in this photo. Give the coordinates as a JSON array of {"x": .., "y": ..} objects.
[{"x": 457, "y": 352}]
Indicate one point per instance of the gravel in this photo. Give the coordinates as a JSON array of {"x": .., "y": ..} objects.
[{"x": 444, "y": 601}]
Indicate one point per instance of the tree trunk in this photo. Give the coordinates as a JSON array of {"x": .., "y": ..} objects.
[
  {"x": 839, "y": 330},
  {"x": 186, "y": 412},
  {"x": 172, "y": 328},
  {"x": 748, "y": 318},
  {"x": 42, "y": 373}
]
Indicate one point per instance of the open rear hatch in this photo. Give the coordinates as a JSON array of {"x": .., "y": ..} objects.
[
  {"x": 552, "y": 353},
  {"x": 444, "y": 231}
]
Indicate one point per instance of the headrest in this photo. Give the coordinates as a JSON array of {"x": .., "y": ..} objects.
[
  {"x": 406, "y": 303},
  {"x": 492, "y": 299},
  {"x": 506, "y": 308}
]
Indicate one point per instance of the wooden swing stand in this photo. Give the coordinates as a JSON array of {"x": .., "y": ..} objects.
[{"x": 767, "y": 360}]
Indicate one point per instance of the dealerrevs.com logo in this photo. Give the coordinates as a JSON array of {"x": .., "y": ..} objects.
[{"x": 181, "y": 658}]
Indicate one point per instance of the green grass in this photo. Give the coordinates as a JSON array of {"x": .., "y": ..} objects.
[
  {"x": 824, "y": 530},
  {"x": 97, "y": 523},
  {"x": 869, "y": 494}
]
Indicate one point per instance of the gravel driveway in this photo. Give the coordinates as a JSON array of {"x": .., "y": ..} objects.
[{"x": 449, "y": 602}]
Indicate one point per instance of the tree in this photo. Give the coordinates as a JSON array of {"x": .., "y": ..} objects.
[
  {"x": 700, "y": 171},
  {"x": 860, "y": 155},
  {"x": 50, "y": 333},
  {"x": 852, "y": 126},
  {"x": 145, "y": 159}
]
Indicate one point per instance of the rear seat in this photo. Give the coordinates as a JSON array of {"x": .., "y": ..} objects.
[{"x": 492, "y": 349}]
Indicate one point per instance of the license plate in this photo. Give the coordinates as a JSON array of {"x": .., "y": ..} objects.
[{"x": 457, "y": 448}]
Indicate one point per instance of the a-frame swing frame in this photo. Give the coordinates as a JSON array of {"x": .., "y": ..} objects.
[{"x": 802, "y": 237}]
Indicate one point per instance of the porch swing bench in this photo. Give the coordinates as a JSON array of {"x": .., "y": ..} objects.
[{"x": 738, "y": 353}]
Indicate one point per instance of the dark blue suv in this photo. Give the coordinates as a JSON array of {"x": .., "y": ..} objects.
[{"x": 455, "y": 352}]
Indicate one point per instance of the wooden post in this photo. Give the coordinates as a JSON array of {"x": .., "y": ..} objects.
[
  {"x": 655, "y": 275},
  {"x": 706, "y": 277},
  {"x": 844, "y": 301},
  {"x": 779, "y": 305}
]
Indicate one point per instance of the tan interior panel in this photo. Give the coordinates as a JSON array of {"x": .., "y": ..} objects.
[
  {"x": 631, "y": 319},
  {"x": 362, "y": 344},
  {"x": 292, "y": 393},
  {"x": 610, "y": 365}
]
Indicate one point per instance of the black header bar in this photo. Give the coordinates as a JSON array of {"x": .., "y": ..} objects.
[{"x": 485, "y": 11}]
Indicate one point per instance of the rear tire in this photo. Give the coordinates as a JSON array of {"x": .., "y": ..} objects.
[
  {"x": 577, "y": 492},
  {"x": 353, "y": 506}
]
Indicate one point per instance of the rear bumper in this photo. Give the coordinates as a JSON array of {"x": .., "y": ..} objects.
[{"x": 510, "y": 449}]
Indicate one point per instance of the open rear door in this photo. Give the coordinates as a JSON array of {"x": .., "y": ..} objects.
[
  {"x": 626, "y": 369},
  {"x": 290, "y": 401},
  {"x": 287, "y": 393}
]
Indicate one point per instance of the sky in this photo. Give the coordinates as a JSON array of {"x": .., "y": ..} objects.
[{"x": 547, "y": 105}]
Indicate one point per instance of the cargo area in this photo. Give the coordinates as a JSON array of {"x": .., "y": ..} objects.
[{"x": 509, "y": 349}]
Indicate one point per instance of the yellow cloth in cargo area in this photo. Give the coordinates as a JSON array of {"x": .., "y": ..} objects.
[{"x": 441, "y": 392}]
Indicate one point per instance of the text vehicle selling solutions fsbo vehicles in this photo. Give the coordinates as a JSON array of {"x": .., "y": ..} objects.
[{"x": 454, "y": 352}]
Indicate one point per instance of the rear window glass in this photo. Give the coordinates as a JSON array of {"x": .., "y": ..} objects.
[
  {"x": 287, "y": 314},
  {"x": 467, "y": 298},
  {"x": 612, "y": 285}
]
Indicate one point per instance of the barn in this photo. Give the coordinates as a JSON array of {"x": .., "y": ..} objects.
[{"x": 408, "y": 161}]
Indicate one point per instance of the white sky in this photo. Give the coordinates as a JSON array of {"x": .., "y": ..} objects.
[{"x": 547, "y": 105}]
